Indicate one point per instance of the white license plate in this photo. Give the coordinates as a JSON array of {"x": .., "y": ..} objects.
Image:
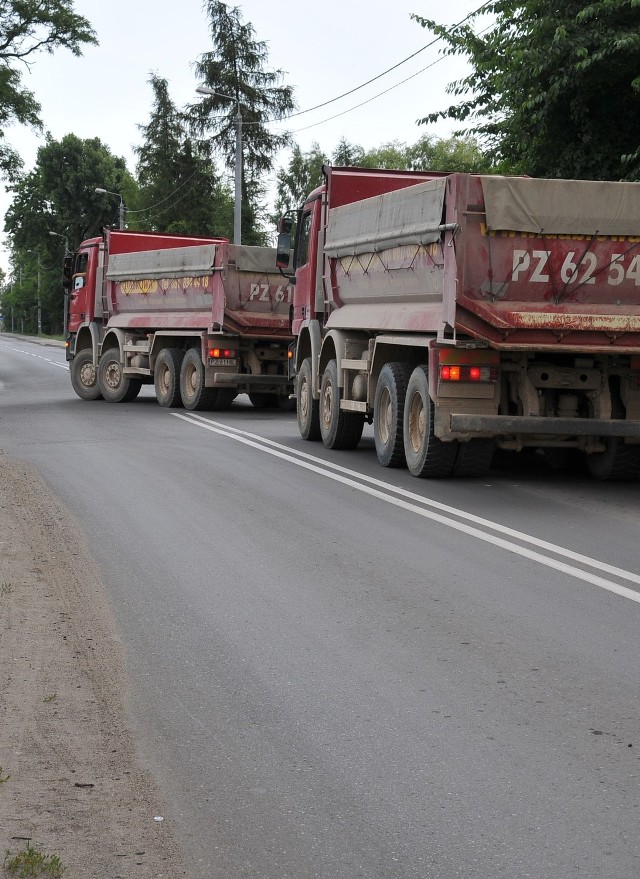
[{"x": 221, "y": 361}]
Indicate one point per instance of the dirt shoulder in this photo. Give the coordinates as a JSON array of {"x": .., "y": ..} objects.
[{"x": 70, "y": 784}]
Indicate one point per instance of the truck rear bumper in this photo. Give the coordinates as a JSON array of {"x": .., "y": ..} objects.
[{"x": 507, "y": 425}]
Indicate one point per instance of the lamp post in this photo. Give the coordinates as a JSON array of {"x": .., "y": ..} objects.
[
  {"x": 65, "y": 297},
  {"x": 121, "y": 209},
  {"x": 37, "y": 253},
  {"x": 237, "y": 211}
]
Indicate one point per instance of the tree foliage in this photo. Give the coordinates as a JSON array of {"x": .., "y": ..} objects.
[
  {"x": 179, "y": 189},
  {"x": 236, "y": 70},
  {"x": 554, "y": 88},
  {"x": 59, "y": 196},
  {"x": 28, "y": 28}
]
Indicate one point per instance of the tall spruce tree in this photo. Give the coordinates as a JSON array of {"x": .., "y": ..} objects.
[
  {"x": 180, "y": 190},
  {"x": 235, "y": 69}
]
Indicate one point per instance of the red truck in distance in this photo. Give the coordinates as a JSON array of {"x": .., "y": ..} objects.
[
  {"x": 201, "y": 319},
  {"x": 458, "y": 313}
]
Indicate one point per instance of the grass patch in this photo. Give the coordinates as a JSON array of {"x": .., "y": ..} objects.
[
  {"x": 6, "y": 588},
  {"x": 32, "y": 863}
]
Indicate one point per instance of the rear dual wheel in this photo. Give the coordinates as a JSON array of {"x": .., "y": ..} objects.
[{"x": 194, "y": 394}]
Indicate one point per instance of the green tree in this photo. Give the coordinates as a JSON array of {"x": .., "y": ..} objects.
[
  {"x": 179, "y": 187},
  {"x": 59, "y": 196},
  {"x": 348, "y": 154},
  {"x": 554, "y": 88},
  {"x": 27, "y": 28},
  {"x": 236, "y": 70},
  {"x": 299, "y": 178}
]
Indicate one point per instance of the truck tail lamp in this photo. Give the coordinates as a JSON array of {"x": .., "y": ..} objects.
[
  {"x": 466, "y": 373},
  {"x": 221, "y": 353}
]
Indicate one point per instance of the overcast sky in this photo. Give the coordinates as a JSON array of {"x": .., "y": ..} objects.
[{"x": 325, "y": 49}]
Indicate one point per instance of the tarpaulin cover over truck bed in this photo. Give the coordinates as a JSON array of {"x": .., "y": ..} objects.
[
  {"x": 174, "y": 262},
  {"x": 561, "y": 207},
  {"x": 406, "y": 216}
]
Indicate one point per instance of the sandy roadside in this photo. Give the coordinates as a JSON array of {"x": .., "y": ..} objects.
[{"x": 70, "y": 784}]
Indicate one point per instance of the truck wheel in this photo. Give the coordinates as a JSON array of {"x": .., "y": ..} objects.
[
  {"x": 166, "y": 377},
  {"x": 388, "y": 414},
  {"x": 427, "y": 456},
  {"x": 473, "y": 458},
  {"x": 307, "y": 408},
  {"x": 114, "y": 386},
  {"x": 618, "y": 462},
  {"x": 84, "y": 376},
  {"x": 195, "y": 396},
  {"x": 339, "y": 429}
]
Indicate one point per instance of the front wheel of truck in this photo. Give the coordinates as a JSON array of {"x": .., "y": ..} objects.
[
  {"x": 339, "y": 429},
  {"x": 307, "y": 409},
  {"x": 427, "y": 456},
  {"x": 114, "y": 386},
  {"x": 166, "y": 377},
  {"x": 84, "y": 376}
]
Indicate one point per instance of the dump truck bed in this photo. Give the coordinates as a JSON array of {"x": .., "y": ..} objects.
[{"x": 514, "y": 262}]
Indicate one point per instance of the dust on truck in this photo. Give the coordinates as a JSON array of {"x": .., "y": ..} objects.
[
  {"x": 200, "y": 318},
  {"x": 459, "y": 313}
]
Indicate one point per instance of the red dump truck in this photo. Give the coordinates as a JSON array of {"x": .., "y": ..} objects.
[
  {"x": 200, "y": 318},
  {"x": 460, "y": 312}
]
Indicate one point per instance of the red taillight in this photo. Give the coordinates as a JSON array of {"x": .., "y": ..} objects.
[
  {"x": 450, "y": 373},
  {"x": 217, "y": 353}
]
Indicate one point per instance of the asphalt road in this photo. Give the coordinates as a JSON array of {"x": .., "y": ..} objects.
[{"x": 337, "y": 670}]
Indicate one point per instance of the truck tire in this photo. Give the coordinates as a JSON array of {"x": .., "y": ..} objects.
[
  {"x": 195, "y": 396},
  {"x": 619, "y": 462},
  {"x": 166, "y": 377},
  {"x": 427, "y": 457},
  {"x": 388, "y": 414},
  {"x": 84, "y": 376},
  {"x": 473, "y": 458},
  {"x": 307, "y": 409},
  {"x": 339, "y": 429},
  {"x": 114, "y": 386}
]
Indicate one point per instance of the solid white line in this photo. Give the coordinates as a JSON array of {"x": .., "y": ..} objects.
[{"x": 338, "y": 474}]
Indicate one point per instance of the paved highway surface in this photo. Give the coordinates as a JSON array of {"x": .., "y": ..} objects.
[{"x": 337, "y": 670}]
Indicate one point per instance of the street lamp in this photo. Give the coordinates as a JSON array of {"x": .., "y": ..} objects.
[
  {"x": 117, "y": 195},
  {"x": 66, "y": 241},
  {"x": 37, "y": 253},
  {"x": 237, "y": 212}
]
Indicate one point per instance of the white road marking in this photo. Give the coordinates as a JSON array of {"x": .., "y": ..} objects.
[
  {"x": 427, "y": 508},
  {"x": 64, "y": 366}
]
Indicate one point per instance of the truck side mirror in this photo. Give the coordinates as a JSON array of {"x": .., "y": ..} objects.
[{"x": 283, "y": 247}]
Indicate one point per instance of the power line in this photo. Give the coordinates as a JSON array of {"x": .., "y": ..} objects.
[{"x": 389, "y": 70}]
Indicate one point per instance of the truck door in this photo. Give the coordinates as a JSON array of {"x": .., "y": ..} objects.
[
  {"x": 79, "y": 302},
  {"x": 303, "y": 289}
]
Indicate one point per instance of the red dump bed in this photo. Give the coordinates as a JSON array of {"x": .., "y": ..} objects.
[
  {"x": 169, "y": 282},
  {"x": 517, "y": 262}
]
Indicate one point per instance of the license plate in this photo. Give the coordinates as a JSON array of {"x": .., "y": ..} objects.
[{"x": 221, "y": 361}]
